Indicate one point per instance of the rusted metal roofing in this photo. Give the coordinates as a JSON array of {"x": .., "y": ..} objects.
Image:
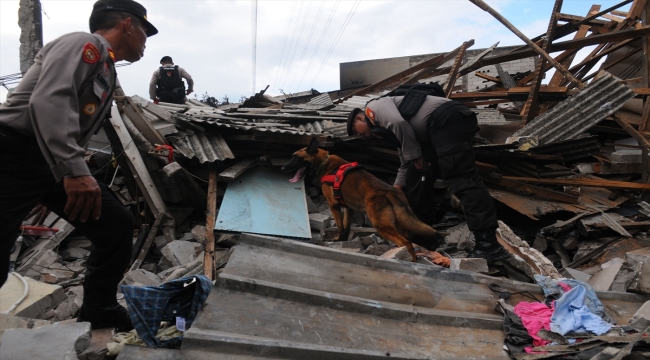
[
  {"x": 283, "y": 299},
  {"x": 577, "y": 114}
]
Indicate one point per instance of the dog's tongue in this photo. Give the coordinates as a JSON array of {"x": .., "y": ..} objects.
[{"x": 297, "y": 176}]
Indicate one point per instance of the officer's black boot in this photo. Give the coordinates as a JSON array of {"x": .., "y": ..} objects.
[
  {"x": 106, "y": 316},
  {"x": 487, "y": 247}
]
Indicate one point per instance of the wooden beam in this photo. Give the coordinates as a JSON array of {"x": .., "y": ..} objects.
[
  {"x": 576, "y": 18},
  {"x": 531, "y": 107},
  {"x": 137, "y": 117},
  {"x": 239, "y": 168},
  {"x": 488, "y": 77},
  {"x": 429, "y": 71},
  {"x": 211, "y": 217},
  {"x": 582, "y": 182},
  {"x": 530, "y": 189},
  {"x": 147, "y": 243},
  {"x": 637, "y": 8},
  {"x": 453, "y": 74},
  {"x": 564, "y": 45}
]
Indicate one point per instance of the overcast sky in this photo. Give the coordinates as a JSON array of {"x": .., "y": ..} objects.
[{"x": 297, "y": 46}]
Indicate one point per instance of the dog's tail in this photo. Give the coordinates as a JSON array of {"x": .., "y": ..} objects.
[{"x": 428, "y": 237}]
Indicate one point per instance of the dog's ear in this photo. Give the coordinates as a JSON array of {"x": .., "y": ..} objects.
[{"x": 312, "y": 149}]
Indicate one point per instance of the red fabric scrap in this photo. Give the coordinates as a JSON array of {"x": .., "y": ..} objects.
[{"x": 535, "y": 317}]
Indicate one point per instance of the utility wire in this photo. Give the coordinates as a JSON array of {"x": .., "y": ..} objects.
[
  {"x": 320, "y": 40},
  {"x": 254, "y": 38},
  {"x": 291, "y": 43},
  {"x": 284, "y": 43},
  {"x": 338, "y": 37},
  {"x": 304, "y": 50},
  {"x": 297, "y": 45}
]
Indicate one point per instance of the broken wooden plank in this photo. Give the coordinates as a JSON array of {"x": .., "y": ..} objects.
[
  {"x": 147, "y": 244},
  {"x": 234, "y": 171},
  {"x": 453, "y": 74},
  {"x": 582, "y": 182},
  {"x": 139, "y": 120},
  {"x": 530, "y": 189},
  {"x": 211, "y": 216}
]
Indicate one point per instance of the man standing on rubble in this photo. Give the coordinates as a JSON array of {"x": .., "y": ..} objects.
[
  {"x": 447, "y": 128},
  {"x": 45, "y": 124},
  {"x": 167, "y": 85}
]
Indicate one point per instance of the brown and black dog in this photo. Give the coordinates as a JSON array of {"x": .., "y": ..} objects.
[{"x": 386, "y": 206}]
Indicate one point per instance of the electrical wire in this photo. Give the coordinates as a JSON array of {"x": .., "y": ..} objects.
[
  {"x": 304, "y": 50},
  {"x": 291, "y": 44},
  {"x": 338, "y": 37},
  {"x": 320, "y": 40},
  {"x": 254, "y": 38},
  {"x": 25, "y": 293},
  {"x": 284, "y": 43},
  {"x": 295, "y": 49}
]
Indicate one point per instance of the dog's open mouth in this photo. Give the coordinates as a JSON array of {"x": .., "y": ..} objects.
[{"x": 298, "y": 175}]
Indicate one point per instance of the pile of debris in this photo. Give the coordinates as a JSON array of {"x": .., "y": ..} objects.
[{"x": 566, "y": 162}]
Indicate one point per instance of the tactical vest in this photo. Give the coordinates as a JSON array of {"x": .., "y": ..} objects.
[{"x": 170, "y": 82}]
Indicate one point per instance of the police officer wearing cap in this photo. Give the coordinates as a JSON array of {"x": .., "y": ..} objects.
[
  {"x": 445, "y": 128},
  {"x": 45, "y": 124}
]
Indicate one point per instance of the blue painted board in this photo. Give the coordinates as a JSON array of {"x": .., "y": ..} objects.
[{"x": 263, "y": 201}]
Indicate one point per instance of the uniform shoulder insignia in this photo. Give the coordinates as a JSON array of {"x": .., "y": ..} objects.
[
  {"x": 89, "y": 109},
  {"x": 111, "y": 54},
  {"x": 90, "y": 53},
  {"x": 370, "y": 114}
]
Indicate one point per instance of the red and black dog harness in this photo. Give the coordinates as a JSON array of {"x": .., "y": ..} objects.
[{"x": 336, "y": 178}]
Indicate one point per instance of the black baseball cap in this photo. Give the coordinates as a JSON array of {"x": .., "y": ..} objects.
[
  {"x": 351, "y": 117},
  {"x": 127, "y": 6}
]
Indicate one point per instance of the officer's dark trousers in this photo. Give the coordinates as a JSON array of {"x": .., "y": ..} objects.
[
  {"x": 26, "y": 180},
  {"x": 451, "y": 134}
]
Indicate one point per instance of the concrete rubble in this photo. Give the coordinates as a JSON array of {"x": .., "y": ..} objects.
[{"x": 565, "y": 160}]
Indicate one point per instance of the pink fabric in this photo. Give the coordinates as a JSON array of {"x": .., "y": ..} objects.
[
  {"x": 565, "y": 287},
  {"x": 535, "y": 317}
]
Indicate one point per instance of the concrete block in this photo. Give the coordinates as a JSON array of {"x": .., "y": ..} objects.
[
  {"x": 624, "y": 278},
  {"x": 473, "y": 265},
  {"x": 56, "y": 341},
  {"x": 352, "y": 244},
  {"x": 638, "y": 256},
  {"x": 41, "y": 297},
  {"x": 12, "y": 322},
  {"x": 377, "y": 249},
  {"x": 187, "y": 237},
  {"x": 181, "y": 252},
  {"x": 71, "y": 305},
  {"x": 641, "y": 282},
  {"x": 319, "y": 221},
  {"x": 460, "y": 237},
  {"x": 171, "y": 169},
  {"x": 199, "y": 234},
  {"x": 578, "y": 275},
  {"x": 641, "y": 318},
  {"x": 399, "y": 253},
  {"x": 371, "y": 239},
  {"x": 602, "y": 280},
  {"x": 141, "y": 277}
]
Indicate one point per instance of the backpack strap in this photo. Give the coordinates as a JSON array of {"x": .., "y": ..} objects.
[{"x": 336, "y": 179}]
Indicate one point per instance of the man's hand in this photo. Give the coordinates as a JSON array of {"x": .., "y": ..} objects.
[
  {"x": 189, "y": 92},
  {"x": 418, "y": 163},
  {"x": 156, "y": 101},
  {"x": 84, "y": 197}
]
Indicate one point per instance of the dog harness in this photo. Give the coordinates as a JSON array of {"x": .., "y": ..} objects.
[{"x": 336, "y": 178}]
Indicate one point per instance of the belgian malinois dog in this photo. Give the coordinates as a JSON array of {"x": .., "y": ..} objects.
[{"x": 386, "y": 206}]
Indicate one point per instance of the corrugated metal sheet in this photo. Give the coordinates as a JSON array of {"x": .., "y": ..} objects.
[
  {"x": 316, "y": 128},
  {"x": 282, "y": 299},
  {"x": 571, "y": 150},
  {"x": 578, "y": 113},
  {"x": 207, "y": 147},
  {"x": 490, "y": 117},
  {"x": 322, "y": 99}
]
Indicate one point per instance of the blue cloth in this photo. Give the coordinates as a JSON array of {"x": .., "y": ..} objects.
[
  {"x": 552, "y": 289},
  {"x": 571, "y": 314},
  {"x": 149, "y": 305}
]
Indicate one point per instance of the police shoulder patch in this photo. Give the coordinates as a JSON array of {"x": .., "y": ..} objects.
[
  {"x": 370, "y": 114},
  {"x": 90, "y": 53},
  {"x": 89, "y": 109}
]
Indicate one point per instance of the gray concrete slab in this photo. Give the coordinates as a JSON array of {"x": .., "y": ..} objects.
[
  {"x": 52, "y": 342},
  {"x": 283, "y": 299}
]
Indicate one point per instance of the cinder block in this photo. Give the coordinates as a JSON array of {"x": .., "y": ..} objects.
[
  {"x": 641, "y": 318},
  {"x": 180, "y": 252},
  {"x": 141, "y": 277},
  {"x": 473, "y": 265}
]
